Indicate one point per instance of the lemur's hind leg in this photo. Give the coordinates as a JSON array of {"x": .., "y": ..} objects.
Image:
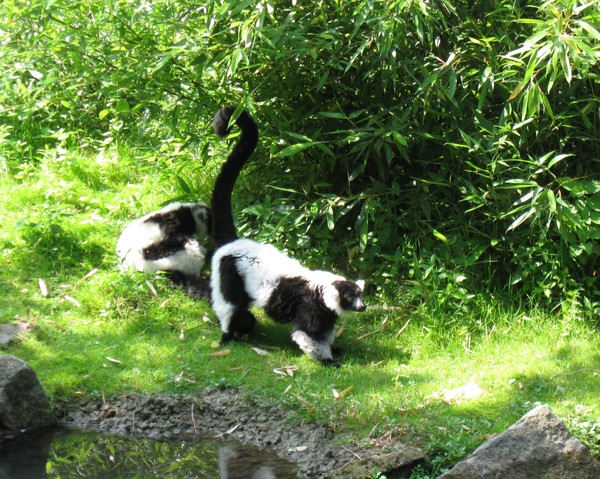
[
  {"x": 241, "y": 323},
  {"x": 233, "y": 302}
]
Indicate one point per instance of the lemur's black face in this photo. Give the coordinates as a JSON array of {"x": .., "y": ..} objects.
[{"x": 350, "y": 295}]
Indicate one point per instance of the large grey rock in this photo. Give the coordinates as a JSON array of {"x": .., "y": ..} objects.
[
  {"x": 23, "y": 403},
  {"x": 538, "y": 446}
]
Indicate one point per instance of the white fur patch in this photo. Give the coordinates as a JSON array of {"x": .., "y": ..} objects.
[
  {"x": 324, "y": 280},
  {"x": 318, "y": 350},
  {"x": 140, "y": 234},
  {"x": 261, "y": 266},
  {"x": 137, "y": 236}
]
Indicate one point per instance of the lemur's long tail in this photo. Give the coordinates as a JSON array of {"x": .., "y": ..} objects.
[{"x": 223, "y": 228}]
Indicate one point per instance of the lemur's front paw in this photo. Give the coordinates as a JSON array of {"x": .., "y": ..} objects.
[{"x": 332, "y": 363}]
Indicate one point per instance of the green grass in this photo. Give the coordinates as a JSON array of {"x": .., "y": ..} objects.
[{"x": 100, "y": 332}]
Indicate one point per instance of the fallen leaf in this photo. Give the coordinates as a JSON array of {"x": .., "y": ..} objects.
[
  {"x": 403, "y": 327},
  {"x": 206, "y": 319},
  {"x": 215, "y": 345},
  {"x": 287, "y": 390},
  {"x": 338, "y": 395},
  {"x": 345, "y": 391},
  {"x": 471, "y": 390},
  {"x": 339, "y": 332},
  {"x": 222, "y": 352},
  {"x": 298, "y": 449},
  {"x": 371, "y": 332},
  {"x": 233, "y": 429},
  {"x": 152, "y": 288},
  {"x": 181, "y": 335},
  {"x": 36, "y": 74},
  {"x": 113, "y": 360},
  {"x": 260, "y": 352},
  {"x": 286, "y": 370},
  {"x": 90, "y": 274},
  {"x": 72, "y": 300},
  {"x": 43, "y": 288}
]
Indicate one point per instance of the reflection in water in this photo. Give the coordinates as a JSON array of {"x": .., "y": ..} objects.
[{"x": 55, "y": 454}]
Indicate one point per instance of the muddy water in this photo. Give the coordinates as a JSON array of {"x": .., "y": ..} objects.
[{"x": 61, "y": 453}]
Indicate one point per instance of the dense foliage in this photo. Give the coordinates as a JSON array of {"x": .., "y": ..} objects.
[{"x": 448, "y": 146}]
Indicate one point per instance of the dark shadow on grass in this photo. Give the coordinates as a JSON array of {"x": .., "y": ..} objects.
[
  {"x": 17, "y": 303},
  {"x": 358, "y": 343},
  {"x": 53, "y": 247}
]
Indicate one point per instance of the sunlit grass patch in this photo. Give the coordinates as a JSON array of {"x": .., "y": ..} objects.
[{"x": 95, "y": 331}]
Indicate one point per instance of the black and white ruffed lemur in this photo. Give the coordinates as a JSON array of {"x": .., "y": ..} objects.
[
  {"x": 169, "y": 240},
  {"x": 246, "y": 273}
]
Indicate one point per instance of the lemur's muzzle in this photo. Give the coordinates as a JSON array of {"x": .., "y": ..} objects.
[{"x": 358, "y": 305}]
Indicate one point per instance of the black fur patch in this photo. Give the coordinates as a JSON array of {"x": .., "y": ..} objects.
[
  {"x": 179, "y": 221},
  {"x": 293, "y": 301},
  {"x": 234, "y": 291},
  {"x": 223, "y": 228},
  {"x": 164, "y": 248},
  {"x": 197, "y": 288},
  {"x": 232, "y": 283}
]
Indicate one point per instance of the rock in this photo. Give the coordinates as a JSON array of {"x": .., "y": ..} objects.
[
  {"x": 23, "y": 403},
  {"x": 395, "y": 464},
  {"x": 10, "y": 332},
  {"x": 537, "y": 446}
]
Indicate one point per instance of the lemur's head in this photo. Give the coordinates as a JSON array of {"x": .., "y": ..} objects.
[{"x": 349, "y": 295}]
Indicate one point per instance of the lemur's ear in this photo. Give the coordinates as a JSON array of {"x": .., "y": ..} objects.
[{"x": 361, "y": 284}]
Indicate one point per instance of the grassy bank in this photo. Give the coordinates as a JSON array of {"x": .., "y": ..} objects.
[{"x": 96, "y": 332}]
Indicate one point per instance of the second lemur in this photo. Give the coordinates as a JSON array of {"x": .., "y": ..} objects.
[
  {"x": 246, "y": 273},
  {"x": 169, "y": 240}
]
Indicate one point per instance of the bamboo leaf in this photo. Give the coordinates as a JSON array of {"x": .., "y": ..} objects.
[
  {"x": 521, "y": 219},
  {"x": 566, "y": 65},
  {"x": 440, "y": 236},
  {"x": 516, "y": 91},
  {"x": 551, "y": 200},
  {"x": 293, "y": 149},
  {"x": 588, "y": 28}
]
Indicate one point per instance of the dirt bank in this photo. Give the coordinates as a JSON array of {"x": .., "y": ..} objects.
[{"x": 228, "y": 412}]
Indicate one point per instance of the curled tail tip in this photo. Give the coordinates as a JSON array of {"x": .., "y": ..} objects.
[
  {"x": 222, "y": 117},
  {"x": 244, "y": 121}
]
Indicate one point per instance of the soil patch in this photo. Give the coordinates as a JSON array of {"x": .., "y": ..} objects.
[{"x": 228, "y": 412}]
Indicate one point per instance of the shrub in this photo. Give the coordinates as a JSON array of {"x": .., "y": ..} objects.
[{"x": 445, "y": 145}]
